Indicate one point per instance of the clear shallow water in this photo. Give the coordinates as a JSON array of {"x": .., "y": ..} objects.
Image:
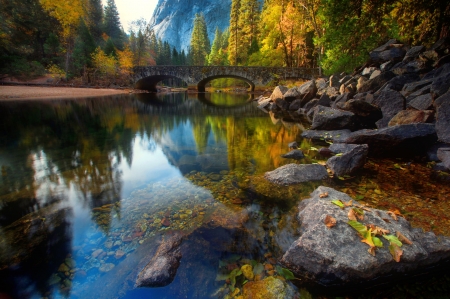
[{"x": 89, "y": 188}]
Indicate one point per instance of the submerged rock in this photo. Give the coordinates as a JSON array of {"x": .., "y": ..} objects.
[
  {"x": 336, "y": 255},
  {"x": 400, "y": 139},
  {"x": 268, "y": 288},
  {"x": 326, "y": 135},
  {"x": 162, "y": 268},
  {"x": 296, "y": 173}
]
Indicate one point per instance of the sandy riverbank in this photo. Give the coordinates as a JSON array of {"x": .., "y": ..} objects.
[{"x": 12, "y": 93}]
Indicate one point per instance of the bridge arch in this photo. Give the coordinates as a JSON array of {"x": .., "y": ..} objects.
[
  {"x": 201, "y": 85},
  {"x": 149, "y": 83}
]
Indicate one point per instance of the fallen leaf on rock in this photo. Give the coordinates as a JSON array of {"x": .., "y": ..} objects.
[
  {"x": 330, "y": 221},
  {"x": 351, "y": 215},
  {"x": 403, "y": 239},
  {"x": 392, "y": 214},
  {"x": 339, "y": 203},
  {"x": 348, "y": 203},
  {"x": 393, "y": 239},
  {"x": 378, "y": 230},
  {"x": 323, "y": 195},
  {"x": 371, "y": 250},
  {"x": 395, "y": 251}
]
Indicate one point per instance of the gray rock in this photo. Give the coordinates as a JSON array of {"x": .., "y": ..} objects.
[
  {"x": 413, "y": 53},
  {"x": 293, "y": 145},
  {"x": 278, "y": 92},
  {"x": 350, "y": 161},
  {"x": 444, "y": 69},
  {"x": 295, "y": 154},
  {"x": 282, "y": 104},
  {"x": 409, "y": 88},
  {"x": 295, "y": 105},
  {"x": 325, "y": 135},
  {"x": 374, "y": 74},
  {"x": 341, "y": 99},
  {"x": 384, "y": 67},
  {"x": 377, "y": 82},
  {"x": 324, "y": 100},
  {"x": 396, "y": 140},
  {"x": 344, "y": 79},
  {"x": 403, "y": 68},
  {"x": 326, "y": 118},
  {"x": 340, "y": 148},
  {"x": 361, "y": 82},
  {"x": 368, "y": 71},
  {"x": 291, "y": 95},
  {"x": 432, "y": 151},
  {"x": 393, "y": 53},
  {"x": 443, "y": 154},
  {"x": 366, "y": 113},
  {"x": 336, "y": 255},
  {"x": 422, "y": 102},
  {"x": 307, "y": 91},
  {"x": 440, "y": 167},
  {"x": 311, "y": 104},
  {"x": 321, "y": 84},
  {"x": 291, "y": 174},
  {"x": 442, "y": 99},
  {"x": 424, "y": 90},
  {"x": 162, "y": 268},
  {"x": 398, "y": 82},
  {"x": 334, "y": 81},
  {"x": 390, "y": 102},
  {"x": 406, "y": 117},
  {"x": 440, "y": 85},
  {"x": 443, "y": 122}
]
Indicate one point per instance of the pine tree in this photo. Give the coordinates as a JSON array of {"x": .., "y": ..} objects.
[
  {"x": 248, "y": 20},
  {"x": 83, "y": 49},
  {"x": 200, "y": 45},
  {"x": 111, "y": 25},
  {"x": 94, "y": 14},
  {"x": 213, "y": 58},
  {"x": 233, "y": 40}
]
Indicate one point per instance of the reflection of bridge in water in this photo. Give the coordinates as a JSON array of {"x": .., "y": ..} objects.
[
  {"x": 198, "y": 76},
  {"x": 196, "y": 104}
]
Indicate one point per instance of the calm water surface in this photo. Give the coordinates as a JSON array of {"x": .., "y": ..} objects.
[{"x": 90, "y": 187}]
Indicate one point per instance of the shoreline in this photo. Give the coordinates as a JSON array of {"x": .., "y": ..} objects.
[{"x": 21, "y": 92}]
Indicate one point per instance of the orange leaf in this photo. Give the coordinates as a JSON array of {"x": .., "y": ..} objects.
[
  {"x": 371, "y": 250},
  {"x": 378, "y": 230},
  {"x": 392, "y": 214},
  {"x": 403, "y": 239},
  {"x": 323, "y": 195},
  {"x": 396, "y": 252},
  {"x": 330, "y": 221},
  {"x": 349, "y": 203},
  {"x": 351, "y": 215}
]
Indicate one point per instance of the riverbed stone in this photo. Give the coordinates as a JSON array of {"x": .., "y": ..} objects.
[
  {"x": 350, "y": 161},
  {"x": 405, "y": 117},
  {"x": 412, "y": 87},
  {"x": 291, "y": 95},
  {"x": 440, "y": 85},
  {"x": 413, "y": 53},
  {"x": 443, "y": 122},
  {"x": 366, "y": 114},
  {"x": 377, "y": 82},
  {"x": 422, "y": 102},
  {"x": 295, "y": 154},
  {"x": 162, "y": 268},
  {"x": 336, "y": 255},
  {"x": 340, "y": 148},
  {"x": 307, "y": 91},
  {"x": 326, "y": 118},
  {"x": 398, "y": 140},
  {"x": 291, "y": 174},
  {"x": 443, "y": 154},
  {"x": 398, "y": 82},
  {"x": 270, "y": 287},
  {"x": 443, "y": 98}
]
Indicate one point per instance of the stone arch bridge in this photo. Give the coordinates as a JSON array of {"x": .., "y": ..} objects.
[{"x": 197, "y": 77}]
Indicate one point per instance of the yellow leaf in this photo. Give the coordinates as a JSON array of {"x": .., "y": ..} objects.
[{"x": 396, "y": 252}]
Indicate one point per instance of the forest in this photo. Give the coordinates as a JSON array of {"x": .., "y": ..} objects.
[{"x": 82, "y": 40}]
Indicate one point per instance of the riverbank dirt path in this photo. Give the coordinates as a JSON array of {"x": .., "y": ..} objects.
[{"x": 13, "y": 93}]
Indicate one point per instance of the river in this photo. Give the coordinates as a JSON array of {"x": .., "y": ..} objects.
[{"x": 90, "y": 187}]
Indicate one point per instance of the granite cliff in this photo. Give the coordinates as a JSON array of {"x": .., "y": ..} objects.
[{"x": 173, "y": 20}]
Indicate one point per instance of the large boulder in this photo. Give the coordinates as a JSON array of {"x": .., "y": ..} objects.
[
  {"x": 162, "y": 268},
  {"x": 440, "y": 85},
  {"x": 405, "y": 117},
  {"x": 326, "y": 118},
  {"x": 397, "y": 140},
  {"x": 350, "y": 161},
  {"x": 409, "y": 88},
  {"x": 335, "y": 136},
  {"x": 391, "y": 50},
  {"x": 269, "y": 288},
  {"x": 336, "y": 255},
  {"x": 307, "y": 91},
  {"x": 366, "y": 113},
  {"x": 422, "y": 102},
  {"x": 390, "y": 102},
  {"x": 398, "y": 82},
  {"x": 291, "y": 95},
  {"x": 413, "y": 53},
  {"x": 443, "y": 154},
  {"x": 443, "y": 122},
  {"x": 442, "y": 99},
  {"x": 295, "y": 154},
  {"x": 291, "y": 174}
]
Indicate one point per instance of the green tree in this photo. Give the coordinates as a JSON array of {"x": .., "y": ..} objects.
[
  {"x": 94, "y": 19},
  {"x": 248, "y": 23},
  {"x": 234, "y": 37},
  {"x": 112, "y": 26},
  {"x": 83, "y": 49},
  {"x": 200, "y": 45}
]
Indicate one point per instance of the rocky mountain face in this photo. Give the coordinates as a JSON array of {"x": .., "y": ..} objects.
[{"x": 173, "y": 20}]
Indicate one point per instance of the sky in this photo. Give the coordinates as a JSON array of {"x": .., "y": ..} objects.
[{"x": 130, "y": 10}]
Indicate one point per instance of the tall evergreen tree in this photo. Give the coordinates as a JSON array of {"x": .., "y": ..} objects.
[
  {"x": 200, "y": 44},
  {"x": 233, "y": 40},
  {"x": 248, "y": 24},
  {"x": 111, "y": 25},
  {"x": 84, "y": 47},
  {"x": 94, "y": 18}
]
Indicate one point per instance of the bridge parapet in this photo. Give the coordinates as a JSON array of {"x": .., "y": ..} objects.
[{"x": 199, "y": 76}]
